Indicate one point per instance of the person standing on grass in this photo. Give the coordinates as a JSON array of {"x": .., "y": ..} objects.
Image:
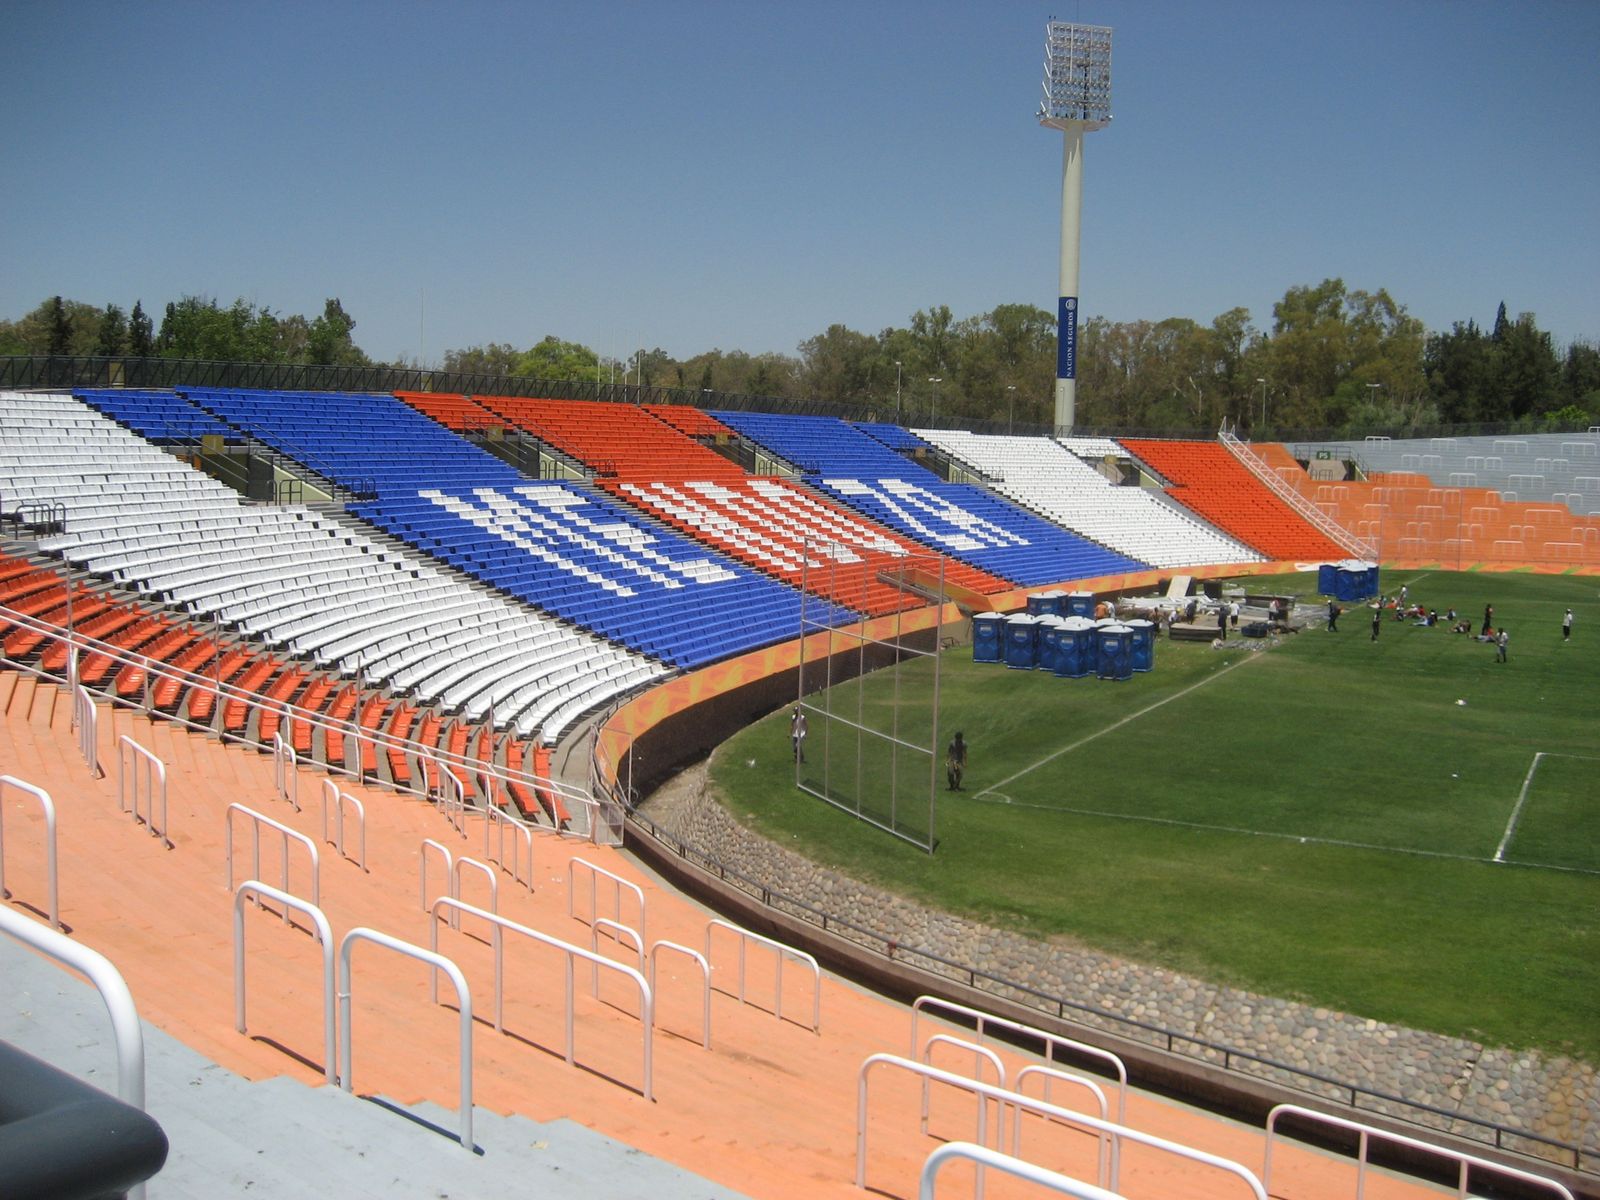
[
  {"x": 1222, "y": 622},
  {"x": 955, "y": 762},
  {"x": 1500, "y": 645},
  {"x": 1377, "y": 621},
  {"x": 1333, "y": 617},
  {"x": 797, "y": 733},
  {"x": 1488, "y": 620},
  {"x": 1566, "y": 627}
]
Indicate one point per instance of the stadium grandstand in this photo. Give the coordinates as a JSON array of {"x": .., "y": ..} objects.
[{"x": 431, "y": 649}]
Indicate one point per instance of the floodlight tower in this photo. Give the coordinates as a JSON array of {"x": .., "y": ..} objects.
[{"x": 1077, "y": 98}]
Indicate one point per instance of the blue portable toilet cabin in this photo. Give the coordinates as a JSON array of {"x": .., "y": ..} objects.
[
  {"x": 1047, "y": 642},
  {"x": 1079, "y": 604},
  {"x": 1048, "y": 604},
  {"x": 1114, "y": 652},
  {"x": 1075, "y": 652},
  {"x": 1328, "y": 580},
  {"x": 986, "y": 631},
  {"x": 1144, "y": 644},
  {"x": 1021, "y": 649}
]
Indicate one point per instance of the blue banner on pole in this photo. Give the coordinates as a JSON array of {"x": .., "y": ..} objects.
[{"x": 1067, "y": 338}]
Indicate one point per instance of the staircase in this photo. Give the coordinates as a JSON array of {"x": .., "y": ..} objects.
[
  {"x": 281, "y": 1138},
  {"x": 1314, "y": 516}
]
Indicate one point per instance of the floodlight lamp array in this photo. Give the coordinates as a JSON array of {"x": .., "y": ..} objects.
[{"x": 1077, "y": 76}]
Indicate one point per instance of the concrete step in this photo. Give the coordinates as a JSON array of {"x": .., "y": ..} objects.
[{"x": 281, "y": 1138}]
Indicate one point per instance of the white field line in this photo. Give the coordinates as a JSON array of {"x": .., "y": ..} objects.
[
  {"x": 1522, "y": 797},
  {"x": 1083, "y": 741},
  {"x": 1267, "y": 833}
]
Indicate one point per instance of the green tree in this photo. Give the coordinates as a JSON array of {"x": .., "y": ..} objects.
[
  {"x": 553, "y": 358},
  {"x": 329, "y": 342},
  {"x": 141, "y": 342},
  {"x": 60, "y": 329},
  {"x": 1580, "y": 377},
  {"x": 494, "y": 358},
  {"x": 835, "y": 366},
  {"x": 112, "y": 334}
]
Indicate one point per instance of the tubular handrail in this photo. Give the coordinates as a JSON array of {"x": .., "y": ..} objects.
[
  {"x": 483, "y": 869},
  {"x": 341, "y": 798},
  {"x": 705, "y": 982},
  {"x": 1019, "y": 1103},
  {"x": 463, "y": 1004},
  {"x": 450, "y": 877},
  {"x": 620, "y": 932},
  {"x": 49, "y": 807},
  {"x": 155, "y": 670},
  {"x": 285, "y": 771},
  {"x": 1310, "y": 513},
  {"x": 113, "y": 989},
  {"x": 498, "y": 820},
  {"x": 1047, "y": 1073},
  {"x": 1366, "y": 1132},
  {"x": 146, "y": 775},
  {"x": 783, "y": 952},
  {"x": 86, "y": 719},
  {"x": 1050, "y": 1041},
  {"x": 982, "y": 1157},
  {"x": 257, "y": 820},
  {"x": 324, "y": 935},
  {"x": 573, "y": 954},
  {"x": 980, "y": 1055},
  {"x": 619, "y": 885}
]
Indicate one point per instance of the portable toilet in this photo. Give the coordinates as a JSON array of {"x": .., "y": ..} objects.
[
  {"x": 1144, "y": 644},
  {"x": 986, "y": 631},
  {"x": 1080, "y": 604},
  {"x": 1075, "y": 654},
  {"x": 1021, "y": 649},
  {"x": 1114, "y": 652},
  {"x": 1047, "y": 642},
  {"x": 1053, "y": 603},
  {"x": 1328, "y": 580}
]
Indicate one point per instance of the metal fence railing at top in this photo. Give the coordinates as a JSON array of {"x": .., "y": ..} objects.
[
  {"x": 495, "y": 779},
  {"x": 1246, "y": 1063}
]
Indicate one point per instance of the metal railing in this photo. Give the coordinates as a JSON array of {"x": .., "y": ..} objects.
[
  {"x": 85, "y": 714},
  {"x": 1365, "y": 1133},
  {"x": 463, "y": 1005},
  {"x": 255, "y": 889},
  {"x": 141, "y": 774},
  {"x": 1017, "y": 1104},
  {"x": 573, "y": 954},
  {"x": 48, "y": 806},
  {"x": 1309, "y": 512},
  {"x": 259, "y": 821},
  {"x": 782, "y": 954},
  {"x": 982, "y": 1157}
]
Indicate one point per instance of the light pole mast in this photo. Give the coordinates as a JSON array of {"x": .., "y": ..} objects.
[{"x": 1077, "y": 99}]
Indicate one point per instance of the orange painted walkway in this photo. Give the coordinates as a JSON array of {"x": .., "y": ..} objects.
[{"x": 770, "y": 1110}]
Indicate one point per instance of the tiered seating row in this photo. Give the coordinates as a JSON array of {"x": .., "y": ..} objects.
[
  {"x": 296, "y": 579},
  {"x": 776, "y": 526},
  {"x": 1206, "y": 478},
  {"x": 573, "y": 554},
  {"x": 1544, "y": 468},
  {"x": 1411, "y": 516},
  {"x": 568, "y": 551},
  {"x": 160, "y": 417},
  {"x": 960, "y": 520},
  {"x": 361, "y": 442},
  {"x": 1044, "y": 476}
]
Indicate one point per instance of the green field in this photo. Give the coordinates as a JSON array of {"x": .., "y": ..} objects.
[{"x": 1317, "y": 820}]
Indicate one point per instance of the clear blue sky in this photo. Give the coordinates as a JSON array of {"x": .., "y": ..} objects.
[{"x": 741, "y": 175}]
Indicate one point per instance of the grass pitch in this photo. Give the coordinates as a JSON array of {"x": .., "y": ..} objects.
[{"x": 1318, "y": 820}]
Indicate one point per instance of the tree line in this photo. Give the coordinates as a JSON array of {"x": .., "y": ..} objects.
[{"x": 1332, "y": 358}]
